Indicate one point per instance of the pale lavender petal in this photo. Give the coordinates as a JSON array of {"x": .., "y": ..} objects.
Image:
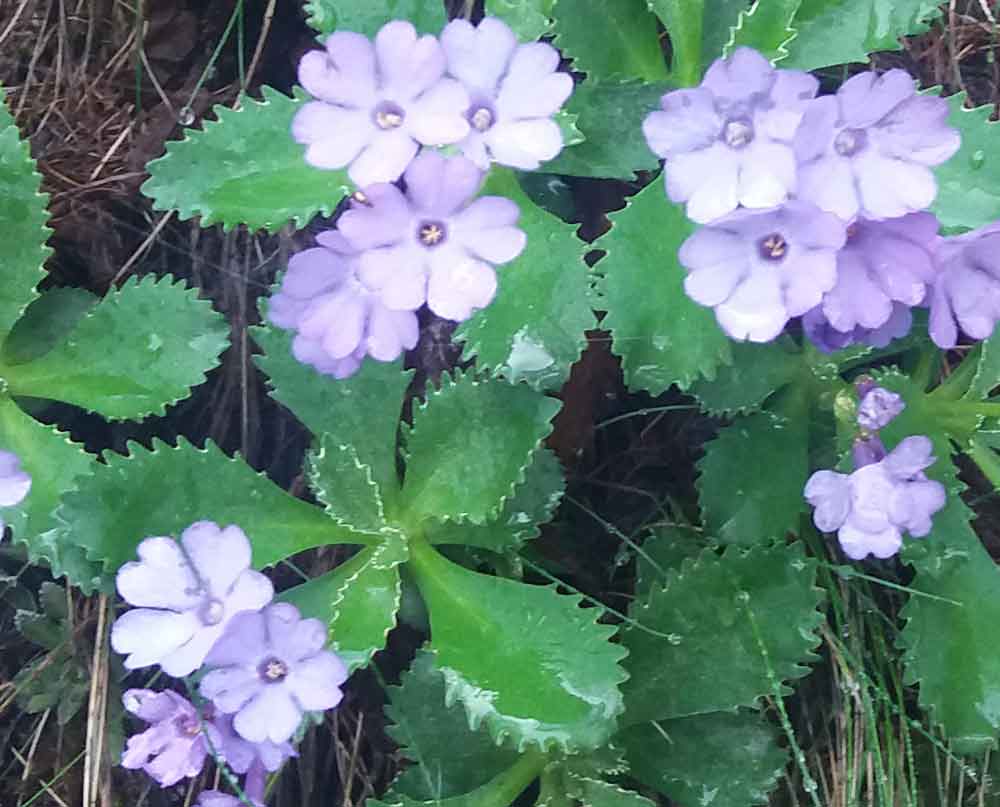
[
  {"x": 524, "y": 144},
  {"x": 315, "y": 683},
  {"x": 830, "y": 494},
  {"x": 438, "y": 186},
  {"x": 396, "y": 275},
  {"x": 161, "y": 578},
  {"x": 478, "y": 55},
  {"x": 458, "y": 287},
  {"x": 437, "y": 117},
  {"x": 271, "y": 715},
  {"x": 147, "y": 636},
  {"x": 386, "y": 219},
  {"x": 384, "y": 158},
  {"x": 743, "y": 74},
  {"x": 334, "y": 135},
  {"x": 230, "y": 688},
  {"x": 408, "y": 65},
  {"x": 241, "y": 642},
  {"x": 878, "y": 407},
  {"x": 868, "y": 97},
  {"x": 391, "y": 332},
  {"x": 687, "y": 121},
  {"x": 219, "y": 556}
]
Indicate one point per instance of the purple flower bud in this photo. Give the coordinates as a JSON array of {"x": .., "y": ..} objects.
[
  {"x": 966, "y": 292},
  {"x": 272, "y": 668},
  {"x": 14, "y": 483},
  {"x": 187, "y": 593},
  {"x": 878, "y": 406},
  {"x": 728, "y": 142},
  {"x": 377, "y": 103},
  {"x": 514, "y": 91},
  {"x": 828, "y": 339},
  {"x": 867, "y": 449},
  {"x": 867, "y": 150},
  {"x": 433, "y": 243},
  {"x": 758, "y": 269}
]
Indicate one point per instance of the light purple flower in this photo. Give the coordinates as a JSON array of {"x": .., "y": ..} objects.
[
  {"x": 828, "y": 339},
  {"x": 514, "y": 91},
  {"x": 241, "y": 754},
  {"x": 868, "y": 149},
  {"x": 877, "y": 407},
  {"x": 216, "y": 798},
  {"x": 433, "y": 243},
  {"x": 377, "y": 103},
  {"x": 728, "y": 142},
  {"x": 871, "y": 508},
  {"x": 966, "y": 292},
  {"x": 758, "y": 269},
  {"x": 14, "y": 483},
  {"x": 272, "y": 668},
  {"x": 187, "y": 593}
]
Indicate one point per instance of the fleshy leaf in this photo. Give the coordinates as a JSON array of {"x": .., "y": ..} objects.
[
  {"x": 163, "y": 491},
  {"x": 723, "y": 759},
  {"x": 535, "y": 327},
  {"x": 326, "y": 16},
  {"x": 529, "y": 19},
  {"x": 709, "y": 639},
  {"x": 23, "y": 222},
  {"x": 529, "y": 662},
  {"x": 244, "y": 168},
  {"x": 142, "y": 347},
  {"x": 683, "y": 20},
  {"x": 46, "y": 322},
  {"x": 766, "y": 27},
  {"x": 469, "y": 446},
  {"x": 663, "y": 336},
  {"x": 755, "y": 373},
  {"x": 345, "y": 486},
  {"x": 448, "y": 758}
]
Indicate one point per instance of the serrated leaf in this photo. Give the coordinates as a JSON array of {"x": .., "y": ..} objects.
[
  {"x": 713, "y": 635},
  {"x": 346, "y": 487},
  {"x": 529, "y": 19},
  {"x": 987, "y": 374},
  {"x": 326, "y": 16},
  {"x": 533, "y": 503},
  {"x": 138, "y": 350},
  {"x": 45, "y": 323},
  {"x": 535, "y": 327},
  {"x": 755, "y": 373},
  {"x": 163, "y": 491},
  {"x": 598, "y": 793},
  {"x": 719, "y": 20},
  {"x": 664, "y": 549},
  {"x": 23, "y": 222},
  {"x": 684, "y": 21},
  {"x": 766, "y": 27},
  {"x": 529, "y": 663},
  {"x": 832, "y": 32},
  {"x": 663, "y": 336},
  {"x": 610, "y": 114},
  {"x": 469, "y": 446},
  {"x": 720, "y": 759},
  {"x": 969, "y": 183},
  {"x": 244, "y": 168},
  {"x": 362, "y": 410},
  {"x": 448, "y": 758}
]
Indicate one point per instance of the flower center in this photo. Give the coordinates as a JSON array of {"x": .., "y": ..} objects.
[
  {"x": 480, "y": 117},
  {"x": 187, "y": 725},
  {"x": 273, "y": 670},
  {"x": 211, "y": 612},
  {"x": 388, "y": 115},
  {"x": 849, "y": 142},
  {"x": 737, "y": 133},
  {"x": 773, "y": 247},
  {"x": 432, "y": 233}
]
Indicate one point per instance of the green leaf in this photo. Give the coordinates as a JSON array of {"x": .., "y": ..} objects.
[
  {"x": 664, "y": 549},
  {"x": 533, "y": 503},
  {"x": 469, "y": 446},
  {"x": 663, "y": 336},
  {"x": 244, "y": 168},
  {"x": 834, "y": 32},
  {"x": 721, "y": 632},
  {"x": 448, "y": 758},
  {"x": 345, "y": 486},
  {"x": 139, "y": 349},
  {"x": 46, "y": 323},
  {"x": 767, "y": 27},
  {"x": 326, "y": 16},
  {"x": 987, "y": 375},
  {"x": 163, "y": 491},
  {"x": 969, "y": 183},
  {"x": 530, "y": 663},
  {"x": 720, "y": 759},
  {"x": 535, "y": 327},
  {"x": 23, "y": 218},
  {"x": 755, "y": 373},
  {"x": 610, "y": 115},
  {"x": 683, "y": 20},
  {"x": 362, "y": 410},
  {"x": 625, "y": 43},
  {"x": 529, "y": 19},
  {"x": 598, "y": 793}
]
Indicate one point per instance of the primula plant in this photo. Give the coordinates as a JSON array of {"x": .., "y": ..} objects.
[{"x": 817, "y": 267}]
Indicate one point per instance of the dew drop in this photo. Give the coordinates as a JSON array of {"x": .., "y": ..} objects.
[
  {"x": 185, "y": 116},
  {"x": 674, "y": 639},
  {"x": 978, "y": 159}
]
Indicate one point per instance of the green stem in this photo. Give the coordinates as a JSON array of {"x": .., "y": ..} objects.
[
  {"x": 502, "y": 790},
  {"x": 987, "y": 460}
]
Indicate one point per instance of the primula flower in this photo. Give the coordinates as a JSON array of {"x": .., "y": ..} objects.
[
  {"x": 432, "y": 243},
  {"x": 868, "y": 149},
  {"x": 967, "y": 289},
  {"x": 728, "y": 142},
  {"x": 216, "y": 798},
  {"x": 514, "y": 90},
  {"x": 758, "y": 269},
  {"x": 828, "y": 339},
  {"x": 377, "y": 104},
  {"x": 272, "y": 668},
  {"x": 337, "y": 319},
  {"x": 877, "y": 407},
  {"x": 187, "y": 593},
  {"x": 871, "y": 508},
  {"x": 241, "y": 755},
  {"x": 14, "y": 483}
]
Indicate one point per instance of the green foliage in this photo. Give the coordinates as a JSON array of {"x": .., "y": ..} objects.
[
  {"x": 683, "y": 20},
  {"x": 326, "y": 16},
  {"x": 725, "y": 759},
  {"x": 987, "y": 367},
  {"x": 469, "y": 446},
  {"x": 529, "y": 19},
  {"x": 567, "y": 783},
  {"x": 244, "y": 168},
  {"x": 139, "y": 349},
  {"x": 46, "y": 323},
  {"x": 345, "y": 486},
  {"x": 767, "y": 26},
  {"x": 721, "y": 632},
  {"x": 530, "y": 663},
  {"x": 756, "y": 372},
  {"x": 662, "y": 335},
  {"x": 535, "y": 327},
  {"x": 664, "y": 549}
]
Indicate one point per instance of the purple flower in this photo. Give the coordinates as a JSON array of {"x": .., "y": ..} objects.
[
  {"x": 216, "y": 798},
  {"x": 272, "y": 668},
  {"x": 877, "y": 407},
  {"x": 871, "y": 508},
  {"x": 187, "y": 594},
  {"x": 174, "y": 746},
  {"x": 377, "y": 103},
  {"x": 433, "y": 243},
  {"x": 828, "y": 339},
  {"x": 514, "y": 91},
  {"x": 14, "y": 483},
  {"x": 758, "y": 269},
  {"x": 868, "y": 149},
  {"x": 966, "y": 292},
  {"x": 241, "y": 755},
  {"x": 728, "y": 142}
]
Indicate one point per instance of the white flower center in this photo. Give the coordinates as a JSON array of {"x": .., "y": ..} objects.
[
  {"x": 849, "y": 142},
  {"x": 737, "y": 133},
  {"x": 432, "y": 233},
  {"x": 273, "y": 670},
  {"x": 773, "y": 247},
  {"x": 481, "y": 119},
  {"x": 388, "y": 115}
]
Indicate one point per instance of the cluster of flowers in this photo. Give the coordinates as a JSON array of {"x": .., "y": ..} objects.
[
  {"x": 198, "y": 602},
  {"x": 376, "y": 104},
  {"x": 887, "y": 494},
  {"x": 815, "y": 206}
]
